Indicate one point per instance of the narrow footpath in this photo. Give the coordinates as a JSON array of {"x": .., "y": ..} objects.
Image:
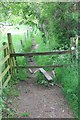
[{"x": 40, "y": 101}]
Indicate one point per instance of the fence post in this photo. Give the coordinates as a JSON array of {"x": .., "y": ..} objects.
[{"x": 11, "y": 50}]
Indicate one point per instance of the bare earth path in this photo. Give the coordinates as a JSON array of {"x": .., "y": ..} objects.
[{"x": 40, "y": 101}]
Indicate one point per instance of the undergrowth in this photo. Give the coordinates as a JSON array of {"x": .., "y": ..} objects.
[{"x": 66, "y": 76}]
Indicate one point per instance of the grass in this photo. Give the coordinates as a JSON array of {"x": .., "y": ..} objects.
[
  {"x": 68, "y": 77},
  {"x": 25, "y": 114},
  {"x": 27, "y": 46}
]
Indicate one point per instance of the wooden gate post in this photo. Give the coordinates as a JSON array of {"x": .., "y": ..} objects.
[{"x": 11, "y": 50}]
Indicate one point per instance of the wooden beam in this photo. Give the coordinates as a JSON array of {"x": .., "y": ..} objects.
[
  {"x": 45, "y": 74},
  {"x": 43, "y": 66},
  {"x": 4, "y": 60},
  {"x": 7, "y": 80},
  {"x": 41, "y": 53},
  {"x": 4, "y": 72}
]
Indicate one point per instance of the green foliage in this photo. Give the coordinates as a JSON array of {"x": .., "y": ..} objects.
[
  {"x": 59, "y": 22},
  {"x": 27, "y": 45},
  {"x": 25, "y": 114},
  {"x": 21, "y": 74},
  {"x": 2, "y": 105},
  {"x": 8, "y": 93},
  {"x": 69, "y": 80}
]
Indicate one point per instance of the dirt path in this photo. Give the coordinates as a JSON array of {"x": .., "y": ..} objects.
[{"x": 40, "y": 101}]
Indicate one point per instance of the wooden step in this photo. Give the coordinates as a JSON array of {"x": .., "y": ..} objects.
[{"x": 45, "y": 74}]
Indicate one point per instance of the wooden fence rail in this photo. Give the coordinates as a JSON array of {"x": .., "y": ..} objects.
[
  {"x": 43, "y": 66},
  {"x": 41, "y": 53},
  {"x": 30, "y": 54},
  {"x": 4, "y": 63}
]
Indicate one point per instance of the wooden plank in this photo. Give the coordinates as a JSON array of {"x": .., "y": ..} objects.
[
  {"x": 4, "y": 72},
  {"x": 3, "y": 47},
  {"x": 30, "y": 71},
  {"x": 36, "y": 70},
  {"x": 53, "y": 72},
  {"x": 41, "y": 53},
  {"x": 43, "y": 66},
  {"x": 4, "y": 60},
  {"x": 45, "y": 74},
  {"x": 6, "y": 82}
]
